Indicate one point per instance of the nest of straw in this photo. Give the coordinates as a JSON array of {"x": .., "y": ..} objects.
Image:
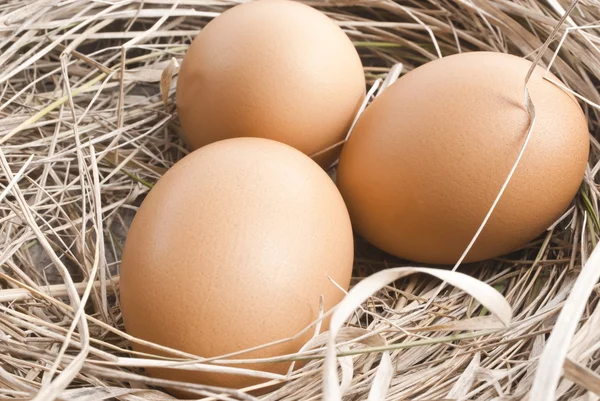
[{"x": 88, "y": 126}]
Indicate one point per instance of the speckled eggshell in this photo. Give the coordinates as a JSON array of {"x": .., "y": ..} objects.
[
  {"x": 273, "y": 69},
  {"x": 428, "y": 157},
  {"x": 232, "y": 249}
]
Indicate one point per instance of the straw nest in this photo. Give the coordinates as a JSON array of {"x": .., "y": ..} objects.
[{"x": 88, "y": 125}]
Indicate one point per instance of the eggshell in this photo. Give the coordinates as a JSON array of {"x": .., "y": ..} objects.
[
  {"x": 232, "y": 249},
  {"x": 271, "y": 69},
  {"x": 428, "y": 157}
]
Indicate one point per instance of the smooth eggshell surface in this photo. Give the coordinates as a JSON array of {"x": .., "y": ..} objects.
[
  {"x": 232, "y": 249},
  {"x": 273, "y": 69},
  {"x": 428, "y": 157}
]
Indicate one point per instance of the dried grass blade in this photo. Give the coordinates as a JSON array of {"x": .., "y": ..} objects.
[
  {"x": 482, "y": 292},
  {"x": 582, "y": 375},
  {"x": 554, "y": 355},
  {"x": 466, "y": 380}
]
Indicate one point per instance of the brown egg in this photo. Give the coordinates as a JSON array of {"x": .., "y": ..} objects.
[
  {"x": 428, "y": 157},
  {"x": 271, "y": 69},
  {"x": 232, "y": 249}
]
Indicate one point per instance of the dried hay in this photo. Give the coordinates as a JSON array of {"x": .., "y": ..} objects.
[{"x": 86, "y": 91}]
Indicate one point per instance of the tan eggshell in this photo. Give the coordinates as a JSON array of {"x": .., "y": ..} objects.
[
  {"x": 428, "y": 157},
  {"x": 272, "y": 69},
  {"x": 232, "y": 249}
]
